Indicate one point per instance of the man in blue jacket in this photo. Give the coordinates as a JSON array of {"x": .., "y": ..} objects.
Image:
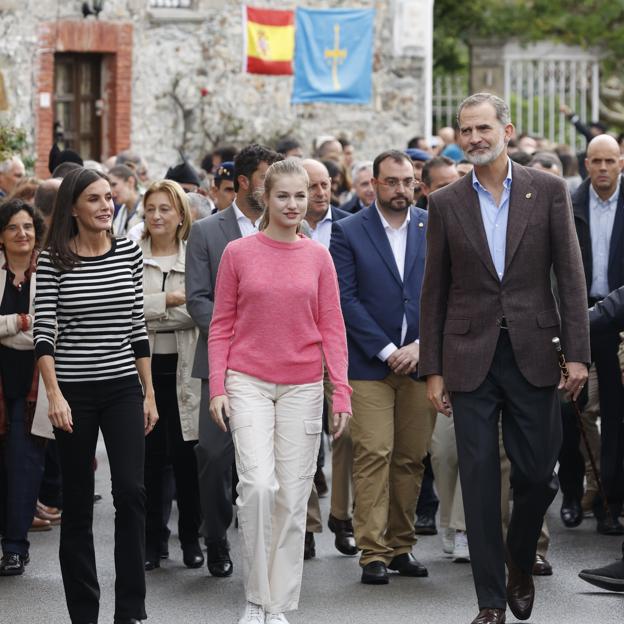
[{"x": 379, "y": 255}]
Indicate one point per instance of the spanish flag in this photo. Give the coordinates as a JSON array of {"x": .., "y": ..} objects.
[{"x": 269, "y": 41}]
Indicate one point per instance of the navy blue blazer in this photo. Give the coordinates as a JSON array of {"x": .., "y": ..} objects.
[{"x": 373, "y": 296}]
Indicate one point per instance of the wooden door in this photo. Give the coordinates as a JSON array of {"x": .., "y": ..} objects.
[{"x": 77, "y": 102}]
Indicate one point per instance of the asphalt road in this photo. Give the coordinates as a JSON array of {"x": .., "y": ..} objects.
[{"x": 331, "y": 591}]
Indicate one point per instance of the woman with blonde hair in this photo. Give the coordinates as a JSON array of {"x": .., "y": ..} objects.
[
  {"x": 172, "y": 336},
  {"x": 276, "y": 319}
]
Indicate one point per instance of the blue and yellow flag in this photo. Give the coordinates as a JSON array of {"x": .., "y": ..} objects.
[{"x": 333, "y": 55}]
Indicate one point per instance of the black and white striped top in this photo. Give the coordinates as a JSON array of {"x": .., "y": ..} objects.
[{"x": 90, "y": 319}]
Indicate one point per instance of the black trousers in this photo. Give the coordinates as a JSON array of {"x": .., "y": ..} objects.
[
  {"x": 164, "y": 445},
  {"x": 532, "y": 437},
  {"x": 611, "y": 394},
  {"x": 215, "y": 461},
  {"x": 115, "y": 407},
  {"x": 571, "y": 462},
  {"x": 51, "y": 490},
  {"x": 428, "y": 501},
  {"x": 23, "y": 461}
]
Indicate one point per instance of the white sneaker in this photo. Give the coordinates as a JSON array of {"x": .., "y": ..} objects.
[
  {"x": 461, "y": 554},
  {"x": 448, "y": 541},
  {"x": 275, "y": 618},
  {"x": 254, "y": 614}
]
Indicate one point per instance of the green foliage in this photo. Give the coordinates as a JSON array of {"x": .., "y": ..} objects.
[
  {"x": 583, "y": 22},
  {"x": 14, "y": 141}
]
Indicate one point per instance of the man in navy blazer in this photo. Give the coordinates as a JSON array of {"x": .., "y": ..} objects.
[{"x": 379, "y": 255}]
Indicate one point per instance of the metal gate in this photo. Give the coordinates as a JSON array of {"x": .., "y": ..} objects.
[{"x": 540, "y": 77}]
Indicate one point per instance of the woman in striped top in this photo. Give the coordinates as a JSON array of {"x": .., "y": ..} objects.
[{"x": 90, "y": 341}]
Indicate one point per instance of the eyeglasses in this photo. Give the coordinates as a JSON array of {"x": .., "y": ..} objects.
[{"x": 394, "y": 183}]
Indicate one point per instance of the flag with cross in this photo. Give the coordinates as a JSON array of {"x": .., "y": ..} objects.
[{"x": 333, "y": 55}]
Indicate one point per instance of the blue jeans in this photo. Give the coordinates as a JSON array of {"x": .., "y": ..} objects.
[{"x": 23, "y": 464}]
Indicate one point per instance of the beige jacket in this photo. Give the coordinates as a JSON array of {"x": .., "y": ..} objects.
[
  {"x": 11, "y": 336},
  {"x": 159, "y": 318}
]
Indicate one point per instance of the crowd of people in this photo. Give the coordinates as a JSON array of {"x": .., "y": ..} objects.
[{"x": 219, "y": 324}]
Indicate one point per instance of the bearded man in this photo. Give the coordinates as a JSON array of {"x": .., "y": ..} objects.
[{"x": 488, "y": 317}]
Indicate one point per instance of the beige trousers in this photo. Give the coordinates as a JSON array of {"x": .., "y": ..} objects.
[
  {"x": 391, "y": 430},
  {"x": 590, "y": 416},
  {"x": 276, "y": 431}
]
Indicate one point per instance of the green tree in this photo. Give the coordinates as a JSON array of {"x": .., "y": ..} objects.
[{"x": 586, "y": 23}]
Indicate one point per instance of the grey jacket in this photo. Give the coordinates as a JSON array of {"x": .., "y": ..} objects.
[{"x": 205, "y": 246}]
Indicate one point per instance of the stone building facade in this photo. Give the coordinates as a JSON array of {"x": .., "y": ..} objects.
[{"x": 161, "y": 80}]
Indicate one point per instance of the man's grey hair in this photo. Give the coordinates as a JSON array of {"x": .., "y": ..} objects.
[
  {"x": 5, "y": 165},
  {"x": 201, "y": 204},
  {"x": 500, "y": 106},
  {"x": 361, "y": 166}
]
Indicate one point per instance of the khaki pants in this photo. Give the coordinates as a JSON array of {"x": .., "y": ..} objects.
[
  {"x": 276, "y": 432},
  {"x": 391, "y": 430},
  {"x": 590, "y": 416},
  {"x": 446, "y": 474}
]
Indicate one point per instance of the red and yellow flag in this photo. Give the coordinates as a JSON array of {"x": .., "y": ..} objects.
[{"x": 269, "y": 41}]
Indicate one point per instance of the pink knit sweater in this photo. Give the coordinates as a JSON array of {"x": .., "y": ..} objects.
[{"x": 277, "y": 316}]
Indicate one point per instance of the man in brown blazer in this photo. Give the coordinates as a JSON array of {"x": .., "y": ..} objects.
[{"x": 488, "y": 317}]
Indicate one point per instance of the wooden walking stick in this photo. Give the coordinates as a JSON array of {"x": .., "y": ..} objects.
[{"x": 563, "y": 365}]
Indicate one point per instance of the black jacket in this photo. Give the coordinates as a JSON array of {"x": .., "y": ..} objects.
[{"x": 580, "y": 203}]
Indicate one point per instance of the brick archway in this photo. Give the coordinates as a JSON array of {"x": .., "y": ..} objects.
[{"x": 114, "y": 42}]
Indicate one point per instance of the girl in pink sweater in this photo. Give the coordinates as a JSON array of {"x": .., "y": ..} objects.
[{"x": 276, "y": 321}]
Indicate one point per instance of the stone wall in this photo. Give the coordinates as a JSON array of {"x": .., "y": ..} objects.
[{"x": 188, "y": 88}]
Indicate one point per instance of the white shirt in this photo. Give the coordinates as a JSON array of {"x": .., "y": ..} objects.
[
  {"x": 397, "y": 237},
  {"x": 601, "y": 219},
  {"x": 322, "y": 231},
  {"x": 245, "y": 224}
]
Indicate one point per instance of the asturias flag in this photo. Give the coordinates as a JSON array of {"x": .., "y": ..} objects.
[
  {"x": 269, "y": 41},
  {"x": 333, "y": 55}
]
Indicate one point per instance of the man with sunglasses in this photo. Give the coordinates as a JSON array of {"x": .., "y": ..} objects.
[{"x": 379, "y": 255}]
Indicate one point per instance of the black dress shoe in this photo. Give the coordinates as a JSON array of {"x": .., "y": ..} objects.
[
  {"x": 219, "y": 562},
  {"x": 542, "y": 566},
  {"x": 345, "y": 541},
  {"x": 425, "y": 525},
  {"x": 609, "y": 524},
  {"x": 127, "y": 621},
  {"x": 309, "y": 546},
  {"x": 151, "y": 564},
  {"x": 192, "y": 556},
  {"x": 490, "y": 616},
  {"x": 571, "y": 512},
  {"x": 407, "y": 565},
  {"x": 375, "y": 573},
  {"x": 610, "y": 577},
  {"x": 13, "y": 564},
  {"x": 520, "y": 591}
]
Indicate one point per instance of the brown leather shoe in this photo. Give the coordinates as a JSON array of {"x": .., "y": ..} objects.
[
  {"x": 490, "y": 616},
  {"x": 48, "y": 513},
  {"x": 520, "y": 591},
  {"x": 40, "y": 525},
  {"x": 542, "y": 566}
]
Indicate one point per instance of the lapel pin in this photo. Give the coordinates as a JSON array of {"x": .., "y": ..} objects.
[
  {"x": 528, "y": 195},
  {"x": 421, "y": 224}
]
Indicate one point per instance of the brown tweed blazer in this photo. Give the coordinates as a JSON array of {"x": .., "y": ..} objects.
[{"x": 463, "y": 298}]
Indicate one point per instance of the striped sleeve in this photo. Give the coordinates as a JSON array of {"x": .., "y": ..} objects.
[
  {"x": 138, "y": 336},
  {"x": 46, "y": 299}
]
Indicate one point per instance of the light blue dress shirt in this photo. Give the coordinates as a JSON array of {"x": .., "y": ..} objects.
[
  {"x": 601, "y": 219},
  {"x": 322, "y": 231},
  {"x": 495, "y": 219}
]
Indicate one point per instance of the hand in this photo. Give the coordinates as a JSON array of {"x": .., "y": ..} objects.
[
  {"x": 220, "y": 407},
  {"x": 150, "y": 413},
  {"x": 341, "y": 420},
  {"x": 175, "y": 298},
  {"x": 566, "y": 110},
  {"x": 404, "y": 361},
  {"x": 576, "y": 380},
  {"x": 59, "y": 412},
  {"x": 436, "y": 393}
]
